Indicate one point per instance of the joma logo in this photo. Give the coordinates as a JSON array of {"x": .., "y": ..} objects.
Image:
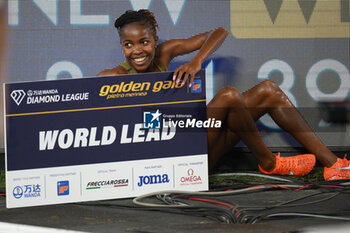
[{"x": 153, "y": 179}]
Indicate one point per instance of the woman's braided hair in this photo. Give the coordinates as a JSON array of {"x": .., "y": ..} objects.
[{"x": 141, "y": 16}]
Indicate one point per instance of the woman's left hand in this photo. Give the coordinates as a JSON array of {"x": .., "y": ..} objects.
[{"x": 188, "y": 70}]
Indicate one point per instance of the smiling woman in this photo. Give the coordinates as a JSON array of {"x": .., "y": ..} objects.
[
  {"x": 139, "y": 45},
  {"x": 139, "y": 40},
  {"x": 237, "y": 111}
]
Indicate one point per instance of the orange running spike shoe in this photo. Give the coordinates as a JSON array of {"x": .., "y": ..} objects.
[
  {"x": 298, "y": 165},
  {"x": 339, "y": 171}
]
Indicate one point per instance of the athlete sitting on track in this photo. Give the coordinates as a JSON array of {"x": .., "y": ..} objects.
[{"x": 237, "y": 111}]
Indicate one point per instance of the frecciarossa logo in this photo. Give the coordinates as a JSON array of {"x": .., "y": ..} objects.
[
  {"x": 107, "y": 184},
  {"x": 153, "y": 179}
]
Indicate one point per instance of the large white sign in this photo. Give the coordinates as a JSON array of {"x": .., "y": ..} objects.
[{"x": 104, "y": 138}]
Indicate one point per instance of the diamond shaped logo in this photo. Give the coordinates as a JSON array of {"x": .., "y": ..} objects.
[{"x": 18, "y": 96}]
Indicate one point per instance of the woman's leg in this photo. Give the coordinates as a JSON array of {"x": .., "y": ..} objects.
[
  {"x": 239, "y": 112},
  {"x": 271, "y": 99},
  {"x": 237, "y": 123}
]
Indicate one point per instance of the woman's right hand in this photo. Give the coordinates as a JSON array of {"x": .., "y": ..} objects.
[{"x": 187, "y": 71}]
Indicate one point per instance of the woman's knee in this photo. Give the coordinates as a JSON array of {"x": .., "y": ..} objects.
[
  {"x": 230, "y": 95},
  {"x": 270, "y": 90}
]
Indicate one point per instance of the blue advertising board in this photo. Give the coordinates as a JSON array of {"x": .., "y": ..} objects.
[{"x": 105, "y": 137}]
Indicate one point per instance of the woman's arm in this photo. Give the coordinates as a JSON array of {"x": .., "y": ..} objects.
[{"x": 207, "y": 43}]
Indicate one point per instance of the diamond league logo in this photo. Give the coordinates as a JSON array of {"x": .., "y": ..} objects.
[{"x": 18, "y": 96}]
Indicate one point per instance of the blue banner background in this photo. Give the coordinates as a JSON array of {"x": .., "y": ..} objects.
[{"x": 24, "y": 122}]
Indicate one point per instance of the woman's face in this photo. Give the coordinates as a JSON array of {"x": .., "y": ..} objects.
[{"x": 138, "y": 43}]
